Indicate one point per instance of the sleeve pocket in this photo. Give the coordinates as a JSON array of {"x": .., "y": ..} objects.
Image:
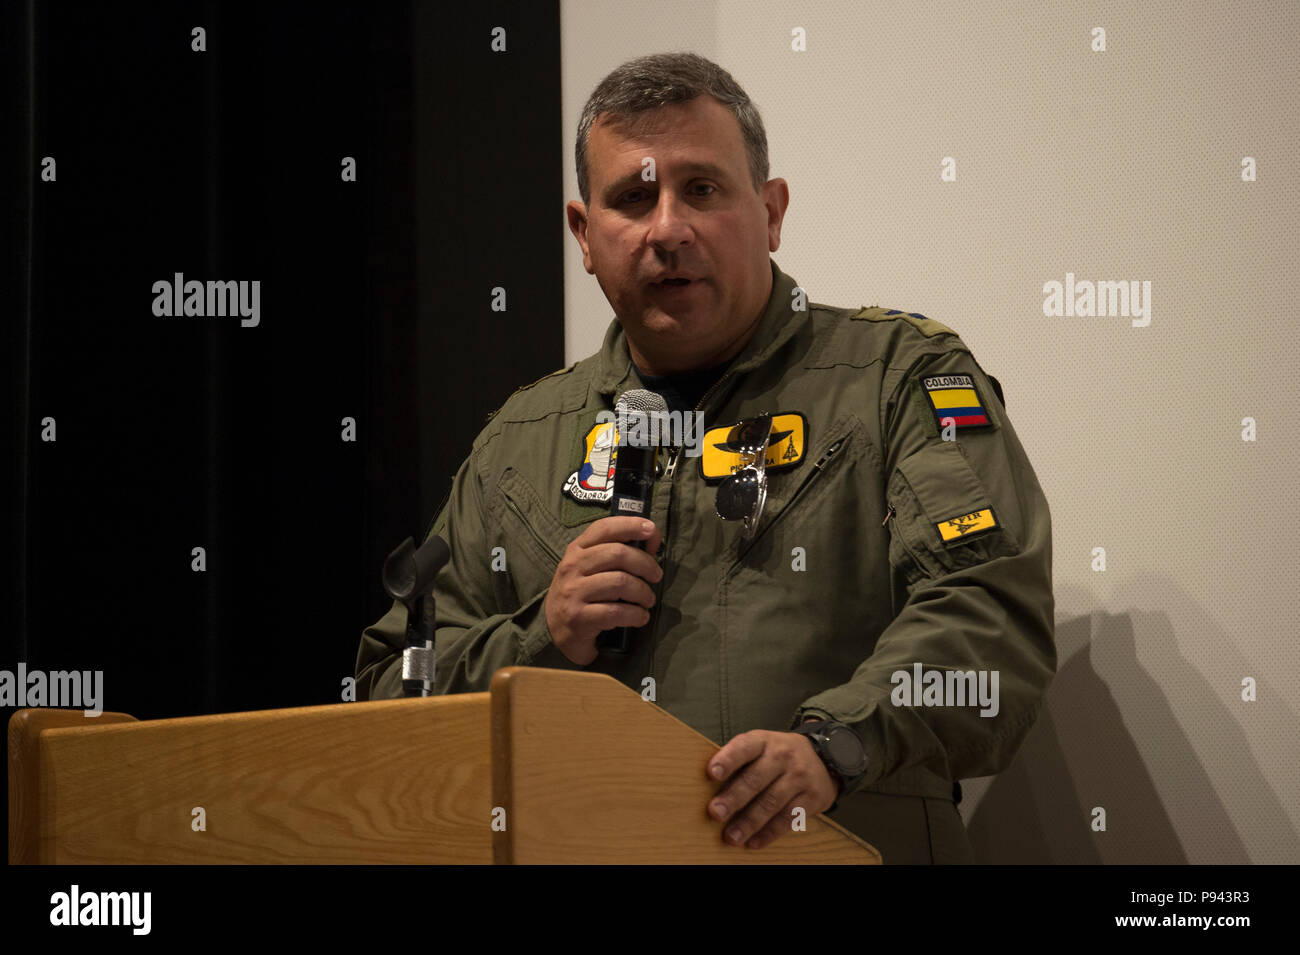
[{"x": 945, "y": 514}]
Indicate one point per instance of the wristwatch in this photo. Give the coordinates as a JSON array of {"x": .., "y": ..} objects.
[{"x": 840, "y": 749}]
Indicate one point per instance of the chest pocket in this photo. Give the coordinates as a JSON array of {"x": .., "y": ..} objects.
[
  {"x": 531, "y": 541},
  {"x": 793, "y": 496},
  {"x": 942, "y": 516}
]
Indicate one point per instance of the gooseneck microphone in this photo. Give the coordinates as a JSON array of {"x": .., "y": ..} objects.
[
  {"x": 408, "y": 578},
  {"x": 640, "y": 420}
]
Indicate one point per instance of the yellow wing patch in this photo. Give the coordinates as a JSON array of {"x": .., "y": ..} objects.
[
  {"x": 785, "y": 447},
  {"x": 966, "y": 524}
]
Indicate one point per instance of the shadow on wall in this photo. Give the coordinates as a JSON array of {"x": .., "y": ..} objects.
[{"x": 1112, "y": 735}]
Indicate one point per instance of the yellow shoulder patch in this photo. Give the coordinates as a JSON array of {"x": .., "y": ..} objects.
[
  {"x": 926, "y": 326},
  {"x": 964, "y": 525}
]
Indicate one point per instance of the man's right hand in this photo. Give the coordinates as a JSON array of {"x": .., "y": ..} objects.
[{"x": 598, "y": 573}]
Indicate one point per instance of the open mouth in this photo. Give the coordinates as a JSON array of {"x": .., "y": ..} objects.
[{"x": 674, "y": 283}]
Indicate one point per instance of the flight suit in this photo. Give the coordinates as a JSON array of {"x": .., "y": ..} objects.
[{"x": 908, "y": 529}]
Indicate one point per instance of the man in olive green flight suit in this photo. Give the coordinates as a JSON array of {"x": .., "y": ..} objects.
[{"x": 904, "y": 540}]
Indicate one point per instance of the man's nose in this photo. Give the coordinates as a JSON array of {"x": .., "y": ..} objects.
[{"x": 670, "y": 224}]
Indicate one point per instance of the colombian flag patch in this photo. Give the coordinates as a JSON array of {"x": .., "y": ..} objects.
[
  {"x": 954, "y": 396},
  {"x": 964, "y": 525}
]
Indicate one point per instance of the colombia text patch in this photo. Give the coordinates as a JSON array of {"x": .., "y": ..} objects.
[{"x": 955, "y": 397}]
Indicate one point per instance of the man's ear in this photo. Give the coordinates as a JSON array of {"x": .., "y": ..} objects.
[
  {"x": 577, "y": 213},
  {"x": 776, "y": 198}
]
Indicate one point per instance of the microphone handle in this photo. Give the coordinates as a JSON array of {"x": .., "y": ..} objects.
[
  {"x": 619, "y": 640},
  {"x": 634, "y": 478}
]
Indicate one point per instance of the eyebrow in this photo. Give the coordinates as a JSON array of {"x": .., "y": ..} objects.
[{"x": 634, "y": 177}]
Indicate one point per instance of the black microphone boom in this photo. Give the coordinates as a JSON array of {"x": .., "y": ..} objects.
[{"x": 408, "y": 577}]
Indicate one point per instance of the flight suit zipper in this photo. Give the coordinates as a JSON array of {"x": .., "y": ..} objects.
[
  {"x": 891, "y": 519},
  {"x": 672, "y": 464},
  {"x": 813, "y": 474},
  {"x": 821, "y": 462},
  {"x": 669, "y": 471}
]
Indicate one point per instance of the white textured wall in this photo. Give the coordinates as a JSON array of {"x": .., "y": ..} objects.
[{"x": 1115, "y": 165}]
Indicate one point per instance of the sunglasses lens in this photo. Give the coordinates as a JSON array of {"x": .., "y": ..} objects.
[
  {"x": 741, "y": 496},
  {"x": 737, "y": 496}
]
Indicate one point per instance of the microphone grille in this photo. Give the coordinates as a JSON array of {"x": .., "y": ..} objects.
[{"x": 639, "y": 399}]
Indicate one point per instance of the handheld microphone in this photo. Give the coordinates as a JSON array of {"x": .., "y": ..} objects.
[{"x": 640, "y": 423}]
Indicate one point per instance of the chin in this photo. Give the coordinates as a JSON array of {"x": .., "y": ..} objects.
[{"x": 659, "y": 322}]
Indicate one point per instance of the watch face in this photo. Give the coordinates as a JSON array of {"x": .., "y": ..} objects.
[{"x": 845, "y": 749}]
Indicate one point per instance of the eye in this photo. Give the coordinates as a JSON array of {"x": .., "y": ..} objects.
[
  {"x": 633, "y": 196},
  {"x": 706, "y": 185}
]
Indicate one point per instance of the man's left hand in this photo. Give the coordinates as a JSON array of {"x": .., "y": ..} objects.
[{"x": 771, "y": 774}]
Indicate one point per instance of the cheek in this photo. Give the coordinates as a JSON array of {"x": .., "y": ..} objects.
[
  {"x": 611, "y": 260},
  {"x": 736, "y": 238}
]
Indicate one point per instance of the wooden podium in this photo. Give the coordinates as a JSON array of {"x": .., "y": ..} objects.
[{"x": 551, "y": 766}]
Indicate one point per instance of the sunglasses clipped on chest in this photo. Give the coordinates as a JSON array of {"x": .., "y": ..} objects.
[{"x": 741, "y": 494}]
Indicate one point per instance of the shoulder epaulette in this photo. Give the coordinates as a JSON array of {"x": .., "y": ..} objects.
[
  {"x": 926, "y": 326},
  {"x": 558, "y": 371}
]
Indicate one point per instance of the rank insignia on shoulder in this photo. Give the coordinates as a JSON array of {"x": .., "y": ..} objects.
[
  {"x": 593, "y": 482},
  {"x": 785, "y": 447},
  {"x": 955, "y": 397},
  {"x": 966, "y": 525}
]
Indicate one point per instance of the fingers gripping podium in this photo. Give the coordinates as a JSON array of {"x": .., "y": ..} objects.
[{"x": 549, "y": 767}]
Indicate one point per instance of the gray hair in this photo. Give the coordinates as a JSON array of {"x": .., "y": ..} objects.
[{"x": 650, "y": 82}]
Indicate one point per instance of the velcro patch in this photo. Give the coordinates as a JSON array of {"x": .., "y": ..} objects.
[
  {"x": 955, "y": 397},
  {"x": 785, "y": 447},
  {"x": 593, "y": 481},
  {"x": 964, "y": 525}
]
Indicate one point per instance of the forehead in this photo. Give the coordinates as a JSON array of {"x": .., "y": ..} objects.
[{"x": 698, "y": 131}]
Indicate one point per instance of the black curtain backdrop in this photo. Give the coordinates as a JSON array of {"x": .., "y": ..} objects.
[{"x": 182, "y": 432}]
